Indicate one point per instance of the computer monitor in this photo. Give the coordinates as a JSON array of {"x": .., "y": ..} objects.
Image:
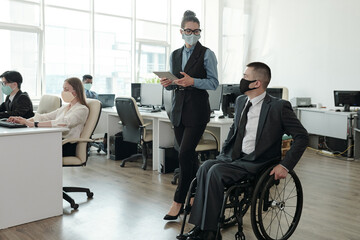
[
  {"x": 230, "y": 93},
  {"x": 347, "y": 99},
  {"x": 151, "y": 94},
  {"x": 275, "y": 92},
  {"x": 215, "y": 97},
  {"x": 107, "y": 99},
  {"x": 135, "y": 91}
]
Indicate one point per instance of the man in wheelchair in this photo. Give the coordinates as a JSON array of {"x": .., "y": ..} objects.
[{"x": 253, "y": 141}]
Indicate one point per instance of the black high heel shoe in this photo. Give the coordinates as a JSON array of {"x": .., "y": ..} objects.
[{"x": 170, "y": 217}]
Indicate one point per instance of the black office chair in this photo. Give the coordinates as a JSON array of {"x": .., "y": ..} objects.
[{"x": 134, "y": 129}]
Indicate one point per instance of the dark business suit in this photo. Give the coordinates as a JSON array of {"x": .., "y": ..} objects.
[
  {"x": 276, "y": 118},
  {"x": 190, "y": 113},
  {"x": 21, "y": 106}
]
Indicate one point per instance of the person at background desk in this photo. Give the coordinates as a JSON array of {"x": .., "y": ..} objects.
[
  {"x": 88, "y": 81},
  {"x": 195, "y": 66},
  {"x": 17, "y": 103},
  {"x": 72, "y": 115}
]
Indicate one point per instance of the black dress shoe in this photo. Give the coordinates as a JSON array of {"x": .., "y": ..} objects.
[
  {"x": 194, "y": 233},
  {"x": 211, "y": 235},
  {"x": 170, "y": 217}
]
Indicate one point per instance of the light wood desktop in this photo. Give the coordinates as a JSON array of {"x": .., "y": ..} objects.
[
  {"x": 30, "y": 175},
  {"x": 163, "y": 135}
]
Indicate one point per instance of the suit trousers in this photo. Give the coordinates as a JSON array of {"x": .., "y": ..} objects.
[
  {"x": 187, "y": 139},
  {"x": 213, "y": 176}
]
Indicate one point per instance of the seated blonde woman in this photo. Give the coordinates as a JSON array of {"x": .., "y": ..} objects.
[{"x": 72, "y": 115}]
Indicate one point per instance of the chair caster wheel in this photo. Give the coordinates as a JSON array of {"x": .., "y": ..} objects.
[
  {"x": 90, "y": 195},
  {"x": 75, "y": 206},
  {"x": 122, "y": 164}
]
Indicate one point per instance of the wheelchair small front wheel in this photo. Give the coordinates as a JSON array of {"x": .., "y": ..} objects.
[{"x": 276, "y": 207}]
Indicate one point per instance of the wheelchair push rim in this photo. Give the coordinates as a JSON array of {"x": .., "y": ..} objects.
[{"x": 276, "y": 207}]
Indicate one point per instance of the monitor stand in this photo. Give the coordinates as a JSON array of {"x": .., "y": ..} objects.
[{"x": 347, "y": 108}]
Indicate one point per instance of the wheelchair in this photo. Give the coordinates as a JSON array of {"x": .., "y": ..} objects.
[{"x": 276, "y": 206}]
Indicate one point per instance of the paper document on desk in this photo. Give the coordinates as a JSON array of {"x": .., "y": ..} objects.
[{"x": 167, "y": 75}]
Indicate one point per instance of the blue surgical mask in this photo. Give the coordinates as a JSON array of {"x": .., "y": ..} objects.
[
  {"x": 87, "y": 86},
  {"x": 6, "y": 90},
  {"x": 191, "y": 39}
]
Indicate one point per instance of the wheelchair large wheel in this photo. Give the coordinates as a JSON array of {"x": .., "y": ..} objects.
[{"x": 276, "y": 206}]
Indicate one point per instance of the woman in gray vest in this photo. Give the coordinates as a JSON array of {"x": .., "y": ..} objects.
[{"x": 195, "y": 66}]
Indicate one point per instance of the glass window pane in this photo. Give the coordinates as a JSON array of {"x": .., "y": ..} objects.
[
  {"x": 20, "y": 13},
  {"x": 76, "y": 4},
  {"x": 149, "y": 30},
  {"x": 176, "y": 38},
  {"x": 179, "y": 7},
  {"x": 150, "y": 58},
  {"x": 67, "y": 47},
  {"x": 154, "y": 10},
  {"x": 112, "y": 55},
  {"x": 19, "y": 51},
  {"x": 115, "y": 7}
]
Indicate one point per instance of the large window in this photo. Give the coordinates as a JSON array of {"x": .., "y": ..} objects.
[{"x": 118, "y": 42}]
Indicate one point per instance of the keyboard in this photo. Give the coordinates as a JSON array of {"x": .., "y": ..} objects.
[{"x": 11, "y": 125}]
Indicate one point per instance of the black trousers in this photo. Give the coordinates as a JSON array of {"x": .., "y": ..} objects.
[
  {"x": 212, "y": 177},
  {"x": 69, "y": 149},
  {"x": 187, "y": 139}
]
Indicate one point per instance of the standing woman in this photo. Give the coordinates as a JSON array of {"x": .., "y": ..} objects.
[{"x": 195, "y": 66}]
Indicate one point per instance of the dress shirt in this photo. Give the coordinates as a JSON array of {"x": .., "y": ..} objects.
[
  {"x": 73, "y": 118},
  {"x": 91, "y": 94},
  {"x": 248, "y": 144},
  {"x": 210, "y": 65}
]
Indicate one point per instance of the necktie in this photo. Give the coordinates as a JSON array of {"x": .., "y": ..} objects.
[{"x": 240, "y": 134}]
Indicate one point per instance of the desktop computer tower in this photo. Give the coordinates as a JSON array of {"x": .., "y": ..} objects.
[
  {"x": 119, "y": 149},
  {"x": 169, "y": 160}
]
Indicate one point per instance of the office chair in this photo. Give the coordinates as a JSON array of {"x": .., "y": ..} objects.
[
  {"x": 208, "y": 142},
  {"x": 82, "y": 149},
  {"x": 48, "y": 103},
  {"x": 133, "y": 128}
]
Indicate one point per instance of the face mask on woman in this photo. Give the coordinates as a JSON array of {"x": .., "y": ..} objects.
[
  {"x": 67, "y": 96},
  {"x": 6, "y": 90},
  {"x": 191, "y": 39}
]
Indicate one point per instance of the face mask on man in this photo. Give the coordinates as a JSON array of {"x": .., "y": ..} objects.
[
  {"x": 244, "y": 85},
  {"x": 67, "y": 96},
  {"x": 191, "y": 39},
  {"x": 7, "y": 90},
  {"x": 87, "y": 86}
]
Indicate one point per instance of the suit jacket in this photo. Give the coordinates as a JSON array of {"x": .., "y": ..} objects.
[
  {"x": 21, "y": 106},
  {"x": 190, "y": 105},
  {"x": 276, "y": 118}
]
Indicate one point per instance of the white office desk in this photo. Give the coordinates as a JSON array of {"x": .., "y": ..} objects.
[
  {"x": 30, "y": 175},
  {"x": 328, "y": 123},
  {"x": 163, "y": 135}
]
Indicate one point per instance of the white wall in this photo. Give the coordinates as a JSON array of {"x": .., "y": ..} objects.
[{"x": 312, "y": 46}]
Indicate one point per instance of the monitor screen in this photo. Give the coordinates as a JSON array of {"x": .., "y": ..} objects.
[
  {"x": 347, "y": 99},
  {"x": 106, "y": 99},
  {"x": 135, "y": 91},
  {"x": 215, "y": 97},
  {"x": 151, "y": 94},
  {"x": 230, "y": 93},
  {"x": 275, "y": 92}
]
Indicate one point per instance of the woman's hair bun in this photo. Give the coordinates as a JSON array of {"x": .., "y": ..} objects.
[{"x": 189, "y": 13}]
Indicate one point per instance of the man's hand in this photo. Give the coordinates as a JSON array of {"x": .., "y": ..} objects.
[
  {"x": 279, "y": 171},
  {"x": 186, "y": 81}
]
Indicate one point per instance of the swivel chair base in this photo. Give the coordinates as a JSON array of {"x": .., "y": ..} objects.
[{"x": 67, "y": 198}]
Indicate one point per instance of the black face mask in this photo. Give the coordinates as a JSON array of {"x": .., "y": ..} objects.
[{"x": 244, "y": 85}]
